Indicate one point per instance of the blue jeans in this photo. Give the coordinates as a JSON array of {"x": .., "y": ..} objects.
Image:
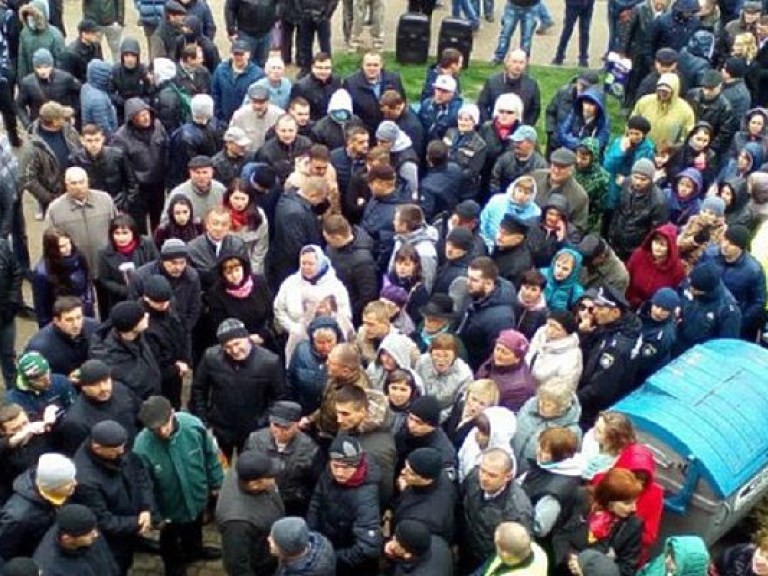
[
  {"x": 584, "y": 15},
  {"x": 8, "y": 352},
  {"x": 542, "y": 13},
  {"x": 307, "y": 31},
  {"x": 465, "y": 6},
  {"x": 512, "y": 15},
  {"x": 487, "y": 7},
  {"x": 259, "y": 46}
]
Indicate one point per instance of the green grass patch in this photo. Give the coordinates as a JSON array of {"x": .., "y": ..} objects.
[{"x": 473, "y": 78}]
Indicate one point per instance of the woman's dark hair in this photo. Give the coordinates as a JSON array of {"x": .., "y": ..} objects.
[
  {"x": 56, "y": 270},
  {"x": 252, "y": 210},
  {"x": 180, "y": 199},
  {"x": 400, "y": 375},
  {"x": 408, "y": 252},
  {"x": 123, "y": 221},
  {"x": 171, "y": 229}
]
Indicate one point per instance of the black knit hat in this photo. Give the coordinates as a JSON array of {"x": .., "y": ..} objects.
[
  {"x": 738, "y": 236},
  {"x": 426, "y": 409},
  {"x": 414, "y": 536},
  {"x": 126, "y": 315},
  {"x": 461, "y": 238},
  {"x": 76, "y": 520},
  {"x": 93, "y": 371},
  {"x": 158, "y": 289},
  {"x": 109, "y": 434},
  {"x": 736, "y": 67},
  {"x": 254, "y": 464},
  {"x": 426, "y": 462}
]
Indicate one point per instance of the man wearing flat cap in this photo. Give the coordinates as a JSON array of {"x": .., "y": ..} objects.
[
  {"x": 710, "y": 105},
  {"x": 257, "y": 116},
  {"x": 235, "y": 383},
  {"x": 300, "y": 457},
  {"x": 112, "y": 481},
  {"x": 101, "y": 398},
  {"x": 610, "y": 358},
  {"x": 345, "y": 507},
  {"x": 200, "y": 189},
  {"x": 73, "y": 545},
  {"x": 229, "y": 161},
  {"x": 248, "y": 505},
  {"x": 183, "y": 485},
  {"x": 558, "y": 179}
]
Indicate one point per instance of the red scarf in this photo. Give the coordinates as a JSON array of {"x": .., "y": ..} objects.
[
  {"x": 360, "y": 474},
  {"x": 239, "y": 218},
  {"x": 601, "y": 523},
  {"x": 503, "y": 132},
  {"x": 128, "y": 249}
]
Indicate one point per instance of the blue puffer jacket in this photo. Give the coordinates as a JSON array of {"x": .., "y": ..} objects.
[
  {"x": 377, "y": 221},
  {"x": 307, "y": 373},
  {"x": 437, "y": 119},
  {"x": 745, "y": 279},
  {"x": 618, "y": 162},
  {"x": 711, "y": 315},
  {"x": 228, "y": 89},
  {"x": 95, "y": 104},
  {"x": 574, "y": 129},
  {"x": 151, "y": 12}
]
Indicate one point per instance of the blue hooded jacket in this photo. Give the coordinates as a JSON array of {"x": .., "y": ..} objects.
[
  {"x": 680, "y": 211},
  {"x": 95, "y": 104},
  {"x": 562, "y": 294},
  {"x": 574, "y": 130}
]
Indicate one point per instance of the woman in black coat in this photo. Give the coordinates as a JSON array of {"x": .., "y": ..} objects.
[
  {"x": 604, "y": 521},
  {"x": 237, "y": 293},
  {"x": 126, "y": 252}
]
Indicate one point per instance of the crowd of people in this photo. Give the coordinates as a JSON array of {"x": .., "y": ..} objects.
[{"x": 401, "y": 325}]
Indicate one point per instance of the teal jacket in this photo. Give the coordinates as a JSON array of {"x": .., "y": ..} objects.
[
  {"x": 184, "y": 469},
  {"x": 562, "y": 295},
  {"x": 691, "y": 557}
]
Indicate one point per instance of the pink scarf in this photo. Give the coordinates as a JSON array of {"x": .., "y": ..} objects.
[{"x": 243, "y": 291}]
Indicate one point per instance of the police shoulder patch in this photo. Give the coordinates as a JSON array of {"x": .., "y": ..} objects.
[{"x": 606, "y": 360}]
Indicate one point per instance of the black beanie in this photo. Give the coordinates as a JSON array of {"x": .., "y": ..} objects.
[
  {"x": 414, "y": 536},
  {"x": 76, "y": 520},
  {"x": 738, "y": 236},
  {"x": 125, "y": 316},
  {"x": 426, "y": 409},
  {"x": 736, "y": 67},
  {"x": 426, "y": 462}
]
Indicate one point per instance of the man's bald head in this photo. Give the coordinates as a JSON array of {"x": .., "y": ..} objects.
[{"x": 512, "y": 541}]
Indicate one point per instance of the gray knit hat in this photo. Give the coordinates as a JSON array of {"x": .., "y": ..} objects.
[
  {"x": 290, "y": 535},
  {"x": 645, "y": 167},
  {"x": 42, "y": 57},
  {"x": 230, "y": 329}
]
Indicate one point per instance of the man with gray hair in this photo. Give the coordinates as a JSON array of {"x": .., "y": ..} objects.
[
  {"x": 490, "y": 497},
  {"x": 84, "y": 214}
]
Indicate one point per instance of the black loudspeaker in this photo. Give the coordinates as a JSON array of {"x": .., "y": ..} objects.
[
  {"x": 413, "y": 36},
  {"x": 455, "y": 33}
]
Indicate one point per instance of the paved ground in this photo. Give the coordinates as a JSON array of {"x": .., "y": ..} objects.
[{"x": 485, "y": 43}]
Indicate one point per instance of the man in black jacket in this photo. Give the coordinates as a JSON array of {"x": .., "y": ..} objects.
[
  {"x": 317, "y": 86},
  {"x": 31, "y": 510},
  {"x": 10, "y": 303},
  {"x": 345, "y": 507},
  {"x": 351, "y": 253},
  {"x": 314, "y": 19},
  {"x": 121, "y": 345},
  {"x": 248, "y": 505},
  {"x": 710, "y": 105},
  {"x": 252, "y": 22},
  {"x": 73, "y": 545},
  {"x": 350, "y": 161},
  {"x": 235, "y": 384},
  {"x": 85, "y": 48},
  {"x": 100, "y": 398},
  {"x": 515, "y": 80},
  {"x": 490, "y": 496},
  {"x": 416, "y": 552},
  {"x": 204, "y": 251},
  {"x": 112, "y": 481},
  {"x": 282, "y": 151},
  {"x": 422, "y": 430},
  {"x": 427, "y": 493},
  {"x": 301, "y": 458},
  {"x": 366, "y": 85},
  {"x": 296, "y": 225},
  {"x": 46, "y": 83},
  {"x": 130, "y": 77},
  {"x": 229, "y": 161},
  {"x": 145, "y": 143},
  {"x": 109, "y": 171},
  {"x": 64, "y": 342}
]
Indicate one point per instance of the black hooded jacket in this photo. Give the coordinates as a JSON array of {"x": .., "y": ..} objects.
[{"x": 127, "y": 82}]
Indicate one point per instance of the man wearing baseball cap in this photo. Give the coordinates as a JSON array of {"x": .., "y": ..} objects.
[
  {"x": 441, "y": 110},
  {"x": 37, "y": 387},
  {"x": 523, "y": 158},
  {"x": 229, "y": 161},
  {"x": 300, "y": 457},
  {"x": 231, "y": 79}
]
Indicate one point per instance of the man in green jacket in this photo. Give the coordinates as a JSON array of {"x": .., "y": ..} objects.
[{"x": 183, "y": 460}]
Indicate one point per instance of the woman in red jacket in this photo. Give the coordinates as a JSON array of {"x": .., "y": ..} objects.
[
  {"x": 655, "y": 264},
  {"x": 639, "y": 460}
]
